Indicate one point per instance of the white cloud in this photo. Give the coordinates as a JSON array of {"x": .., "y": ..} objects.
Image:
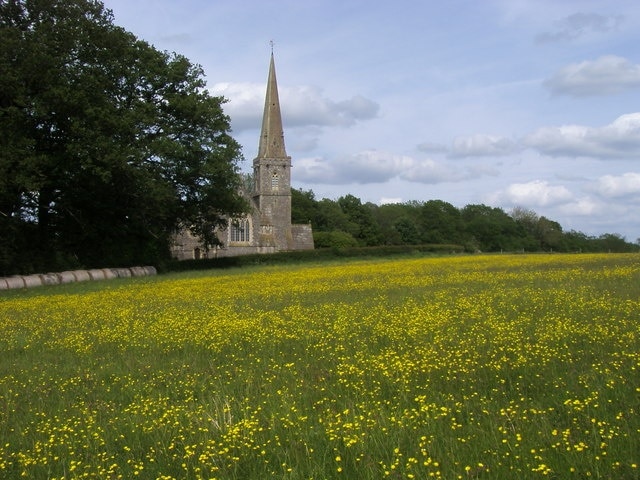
[
  {"x": 579, "y": 24},
  {"x": 386, "y": 200},
  {"x": 372, "y": 166},
  {"x": 583, "y": 207},
  {"x": 483, "y": 145},
  {"x": 431, "y": 172},
  {"x": 315, "y": 170},
  {"x": 625, "y": 185},
  {"x": 301, "y": 106},
  {"x": 307, "y": 105},
  {"x": 537, "y": 193},
  {"x": 606, "y": 75},
  {"x": 368, "y": 166},
  {"x": 620, "y": 139},
  {"x": 357, "y": 108},
  {"x": 245, "y": 103}
]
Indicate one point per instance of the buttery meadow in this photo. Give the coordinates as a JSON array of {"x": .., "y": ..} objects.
[{"x": 462, "y": 367}]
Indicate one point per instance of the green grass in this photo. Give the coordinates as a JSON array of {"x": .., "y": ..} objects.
[{"x": 456, "y": 367}]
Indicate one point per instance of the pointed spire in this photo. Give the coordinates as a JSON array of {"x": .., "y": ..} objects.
[{"x": 272, "y": 135}]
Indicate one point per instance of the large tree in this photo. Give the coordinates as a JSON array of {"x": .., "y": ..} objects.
[
  {"x": 367, "y": 230},
  {"x": 491, "y": 229},
  {"x": 441, "y": 222},
  {"x": 108, "y": 145}
]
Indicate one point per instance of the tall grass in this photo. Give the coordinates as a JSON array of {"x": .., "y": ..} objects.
[{"x": 454, "y": 368}]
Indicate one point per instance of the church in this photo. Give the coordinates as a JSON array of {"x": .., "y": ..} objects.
[{"x": 267, "y": 228}]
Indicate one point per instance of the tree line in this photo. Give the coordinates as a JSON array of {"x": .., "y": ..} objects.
[{"x": 347, "y": 222}]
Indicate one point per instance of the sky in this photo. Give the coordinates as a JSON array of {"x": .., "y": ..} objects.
[{"x": 507, "y": 103}]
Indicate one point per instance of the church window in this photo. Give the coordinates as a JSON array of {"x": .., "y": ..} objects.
[
  {"x": 274, "y": 181},
  {"x": 240, "y": 230}
]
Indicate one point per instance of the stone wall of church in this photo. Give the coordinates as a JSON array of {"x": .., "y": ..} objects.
[
  {"x": 302, "y": 236},
  {"x": 187, "y": 247}
]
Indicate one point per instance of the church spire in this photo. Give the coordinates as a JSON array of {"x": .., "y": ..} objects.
[{"x": 272, "y": 135}]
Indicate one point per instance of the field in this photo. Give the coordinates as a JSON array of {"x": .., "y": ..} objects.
[{"x": 505, "y": 366}]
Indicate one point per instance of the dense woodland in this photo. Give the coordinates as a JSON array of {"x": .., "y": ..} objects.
[{"x": 348, "y": 222}]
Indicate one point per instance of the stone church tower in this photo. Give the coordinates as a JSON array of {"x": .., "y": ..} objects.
[
  {"x": 272, "y": 173},
  {"x": 268, "y": 228}
]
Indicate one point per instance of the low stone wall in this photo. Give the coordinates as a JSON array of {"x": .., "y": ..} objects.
[{"x": 37, "y": 280}]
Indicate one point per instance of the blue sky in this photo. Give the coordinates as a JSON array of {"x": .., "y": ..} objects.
[{"x": 528, "y": 103}]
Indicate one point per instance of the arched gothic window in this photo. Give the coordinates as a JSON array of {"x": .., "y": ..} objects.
[
  {"x": 240, "y": 230},
  {"x": 275, "y": 181}
]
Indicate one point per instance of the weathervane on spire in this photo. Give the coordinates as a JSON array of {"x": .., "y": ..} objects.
[{"x": 271, "y": 43}]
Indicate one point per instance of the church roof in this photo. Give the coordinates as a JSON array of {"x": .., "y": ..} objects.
[{"x": 272, "y": 135}]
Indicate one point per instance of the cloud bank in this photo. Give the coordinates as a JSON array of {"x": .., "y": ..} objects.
[
  {"x": 619, "y": 186},
  {"x": 371, "y": 166},
  {"x": 606, "y": 75},
  {"x": 481, "y": 145},
  {"x": 619, "y": 139},
  {"x": 537, "y": 193},
  {"x": 580, "y": 24},
  {"x": 302, "y": 106}
]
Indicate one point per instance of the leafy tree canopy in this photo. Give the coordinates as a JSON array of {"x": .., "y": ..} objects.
[{"x": 108, "y": 145}]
